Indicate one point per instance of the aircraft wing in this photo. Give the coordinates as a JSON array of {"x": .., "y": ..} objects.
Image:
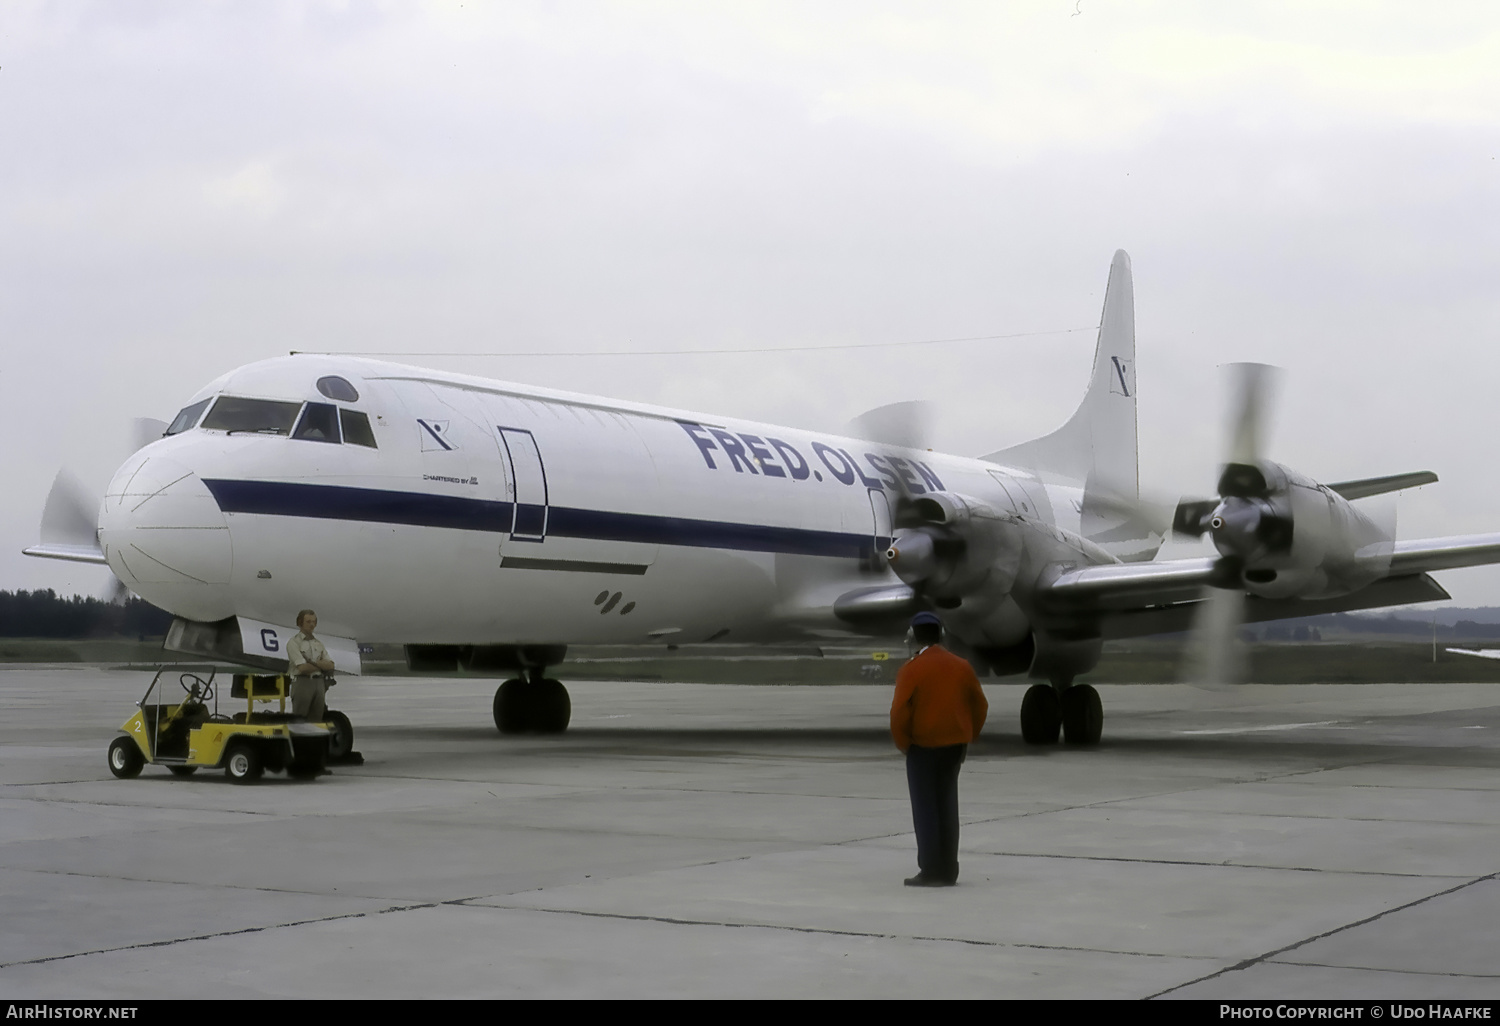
[
  {"x": 1415, "y": 557},
  {"x": 1128, "y": 586},
  {"x": 1133, "y": 600},
  {"x": 1122, "y": 587}
]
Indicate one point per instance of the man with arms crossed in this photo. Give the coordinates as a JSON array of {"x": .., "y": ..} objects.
[
  {"x": 938, "y": 709},
  {"x": 309, "y": 662}
]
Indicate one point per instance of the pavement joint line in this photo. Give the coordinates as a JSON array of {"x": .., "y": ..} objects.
[
  {"x": 186, "y": 883},
  {"x": 598, "y": 789},
  {"x": 1409, "y": 787},
  {"x": 1377, "y": 969},
  {"x": 1101, "y": 803},
  {"x": 213, "y": 936},
  {"x": 828, "y": 931},
  {"x": 1220, "y": 865},
  {"x": 1339, "y": 819},
  {"x": 140, "y": 805},
  {"x": 1269, "y": 955}
]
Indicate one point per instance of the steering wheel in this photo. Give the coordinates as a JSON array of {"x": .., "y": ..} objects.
[{"x": 197, "y": 688}]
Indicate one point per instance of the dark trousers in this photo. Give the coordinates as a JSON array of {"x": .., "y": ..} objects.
[{"x": 932, "y": 777}]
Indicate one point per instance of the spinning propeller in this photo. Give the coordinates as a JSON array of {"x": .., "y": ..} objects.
[
  {"x": 1249, "y": 521},
  {"x": 924, "y": 552},
  {"x": 70, "y": 518}
]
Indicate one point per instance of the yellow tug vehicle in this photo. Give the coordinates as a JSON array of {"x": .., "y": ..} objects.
[{"x": 187, "y": 736}]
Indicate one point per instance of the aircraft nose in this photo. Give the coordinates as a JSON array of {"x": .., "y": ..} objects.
[{"x": 166, "y": 539}]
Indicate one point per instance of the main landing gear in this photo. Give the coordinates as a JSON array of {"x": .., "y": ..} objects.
[
  {"x": 1074, "y": 708},
  {"x": 532, "y": 704}
]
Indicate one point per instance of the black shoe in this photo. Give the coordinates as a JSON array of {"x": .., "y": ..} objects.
[{"x": 921, "y": 880}]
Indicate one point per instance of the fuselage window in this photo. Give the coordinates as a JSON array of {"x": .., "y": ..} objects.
[
  {"x": 188, "y": 417},
  {"x": 357, "y": 428},
  {"x": 261, "y": 416},
  {"x": 338, "y": 388},
  {"x": 319, "y": 423}
]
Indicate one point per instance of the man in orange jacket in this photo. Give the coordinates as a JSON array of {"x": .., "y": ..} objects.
[{"x": 938, "y": 709}]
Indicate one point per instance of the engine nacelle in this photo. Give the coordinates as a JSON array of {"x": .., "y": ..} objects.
[
  {"x": 949, "y": 545},
  {"x": 1288, "y": 535}
]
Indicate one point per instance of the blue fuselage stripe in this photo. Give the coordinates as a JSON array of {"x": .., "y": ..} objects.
[{"x": 416, "y": 509}]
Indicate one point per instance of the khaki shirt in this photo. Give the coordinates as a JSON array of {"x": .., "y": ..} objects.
[{"x": 305, "y": 648}]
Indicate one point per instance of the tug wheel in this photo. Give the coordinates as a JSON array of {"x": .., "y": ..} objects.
[
  {"x": 342, "y": 741},
  {"x": 125, "y": 759},
  {"x": 243, "y": 764}
]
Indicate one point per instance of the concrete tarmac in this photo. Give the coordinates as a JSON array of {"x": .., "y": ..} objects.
[{"x": 741, "y": 841}]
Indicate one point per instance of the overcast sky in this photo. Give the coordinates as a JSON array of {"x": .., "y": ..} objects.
[{"x": 187, "y": 187}]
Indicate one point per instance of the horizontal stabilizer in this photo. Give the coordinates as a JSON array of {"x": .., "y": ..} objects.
[{"x": 1368, "y": 486}]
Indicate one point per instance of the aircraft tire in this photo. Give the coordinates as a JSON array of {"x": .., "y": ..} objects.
[
  {"x": 182, "y": 771},
  {"x": 513, "y": 707},
  {"x": 551, "y": 707},
  {"x": 1041, "y": 715},
  {"x": 1082, "y": 715},
  {"x": 342, "y": 741},
  {"x": 243, "y": 764},
  {"x": 125, "y": 759}
]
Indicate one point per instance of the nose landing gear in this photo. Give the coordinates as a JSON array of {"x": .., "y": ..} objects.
[{"x": 533, "y": 704}]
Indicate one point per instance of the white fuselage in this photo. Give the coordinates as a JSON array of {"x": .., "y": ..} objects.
[{"x": 489, "y": 513}]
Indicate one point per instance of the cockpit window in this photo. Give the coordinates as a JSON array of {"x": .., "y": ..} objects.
[
  {"x": 262, "y": 416},
  {"x": 188, "y": 417},
  {"x": 357, "y": 428},
  {"x": 319, "y": 423},
  {"x": 335, "y": 387}
]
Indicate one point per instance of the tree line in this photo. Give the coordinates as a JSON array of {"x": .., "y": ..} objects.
[{"x": 45, "y": 614}]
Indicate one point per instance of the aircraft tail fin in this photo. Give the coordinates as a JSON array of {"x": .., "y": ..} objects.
[{"x": 1097, "y": 446}]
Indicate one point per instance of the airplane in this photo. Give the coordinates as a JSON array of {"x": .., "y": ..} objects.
[{"x": 489, "y": 525}]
